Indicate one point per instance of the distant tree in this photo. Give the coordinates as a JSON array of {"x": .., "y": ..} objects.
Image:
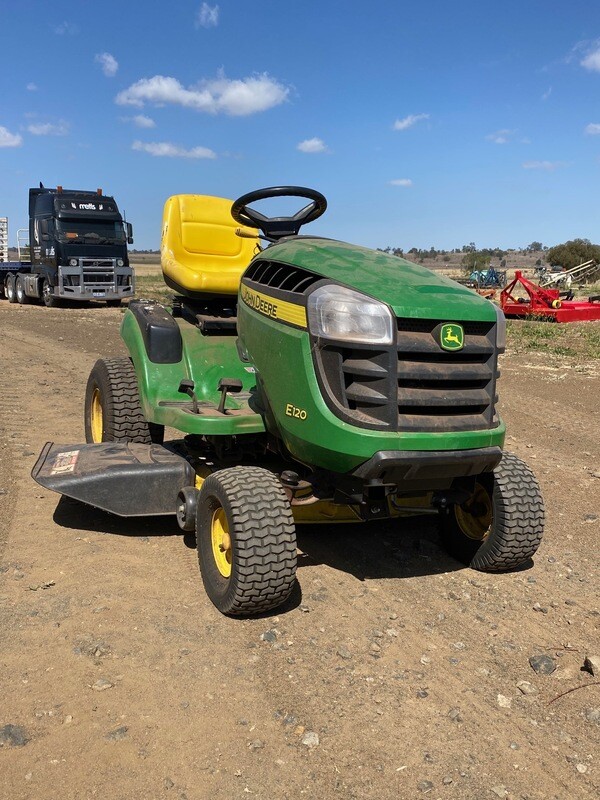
[
  {"x": 572, "y": 253},
  {"x": 538, "y": 263},
  {"x": 535, "y": 247},
  {"x": 476, "y": 260}
]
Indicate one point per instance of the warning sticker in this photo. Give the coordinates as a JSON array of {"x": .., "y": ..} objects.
[{"x": 65, "y": 462}]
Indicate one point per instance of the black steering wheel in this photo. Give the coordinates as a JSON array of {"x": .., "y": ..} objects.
[{"x": 276, "y": 228}]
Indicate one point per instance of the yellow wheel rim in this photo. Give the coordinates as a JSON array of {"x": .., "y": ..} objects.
[
  {"x": 96, "y": 416},
  {"x": 221, "y": 542},
  {"x": 475, "y": 516}
]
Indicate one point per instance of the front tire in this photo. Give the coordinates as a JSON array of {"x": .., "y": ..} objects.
[
  {"x": 113, "y": 412},
  {"x": 500, "y": 527},
  {"x": 246, "y": 540},
  {"x": 49, "y": 300}
]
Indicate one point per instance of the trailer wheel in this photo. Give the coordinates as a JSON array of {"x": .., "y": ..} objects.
[
  {"x": 112, "y": 405},
  {"x": 49, "y": 300},
  {"x": 246, "y": 540},
  {"x": 22, "y": 298},
  {"x": 11, "y": 295},
  {"x": 500, "y": 527}
]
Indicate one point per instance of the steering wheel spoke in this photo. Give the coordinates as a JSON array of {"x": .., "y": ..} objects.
[{"x": 275, "y": 228}]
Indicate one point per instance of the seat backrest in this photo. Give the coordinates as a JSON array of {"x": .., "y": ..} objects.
[{"x": 200, "y": 251}]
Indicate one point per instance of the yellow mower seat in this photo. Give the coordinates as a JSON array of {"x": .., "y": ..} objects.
[{"x": 200, "y": 252}]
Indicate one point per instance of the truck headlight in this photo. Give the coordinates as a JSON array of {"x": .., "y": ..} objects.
[
  {"x": 72, "y": 262},
  {"x": 500, "y": 330},
  {"x": 120, "y": 262},
  {"x": 335, "y": 312}
]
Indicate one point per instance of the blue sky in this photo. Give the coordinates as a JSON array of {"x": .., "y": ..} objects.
[{"x": 424, "y": 124}]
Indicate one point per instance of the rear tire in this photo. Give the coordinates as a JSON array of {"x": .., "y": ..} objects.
[
  {"x": 22, "y": 298},
  {"x": 11, "y": 295},
  {"x": 246, "y": 540},
  {"x": 113, "y": 412},
  {"x": 501, "y": 526}
]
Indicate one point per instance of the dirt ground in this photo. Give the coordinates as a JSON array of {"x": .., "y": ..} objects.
[{"x": 393, "y": 673}]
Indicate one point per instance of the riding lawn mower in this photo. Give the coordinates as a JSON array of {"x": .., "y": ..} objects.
[{"x": 313, "y": 381}]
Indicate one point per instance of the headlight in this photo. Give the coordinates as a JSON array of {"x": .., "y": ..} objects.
[
  {"x": 500, "y": 330},
  {"x": 335, "y": 312},
  {"x": 120, "y": 262},
  {"x": 72, "y": 262}
]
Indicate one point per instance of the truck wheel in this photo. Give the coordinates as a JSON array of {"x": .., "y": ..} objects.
[
  {"x": 500, "y": 527},
  {"x": 50, "y": 301},
  {"x": 22, "y": 298},
  {"x": 11, "y": 295},
  {"x": 112, "y": 405},
  {"x": 246, "y": 540}
]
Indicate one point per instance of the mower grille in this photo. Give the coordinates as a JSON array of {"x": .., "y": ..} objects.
[
  {"x": 441, "y": 390},
  {"x": 415, "y": 386}
]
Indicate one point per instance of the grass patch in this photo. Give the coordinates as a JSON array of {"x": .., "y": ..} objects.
[
  {"x": 569, "y": 340},
  {"x": 152, "y": 287}
]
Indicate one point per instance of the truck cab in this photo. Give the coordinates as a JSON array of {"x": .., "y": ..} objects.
[{"x": 77, "y": 249}]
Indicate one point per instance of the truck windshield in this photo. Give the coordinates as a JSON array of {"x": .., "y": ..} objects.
[{"x": 87, "y": 231}]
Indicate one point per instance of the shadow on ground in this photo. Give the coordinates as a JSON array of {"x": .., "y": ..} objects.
[{"x": 372, "y": 550}]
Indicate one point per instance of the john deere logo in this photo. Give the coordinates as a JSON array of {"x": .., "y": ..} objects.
[{"x": 452, "y": 336}]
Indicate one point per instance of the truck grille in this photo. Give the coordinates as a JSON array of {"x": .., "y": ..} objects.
[
  {"x": 91, "y": 263},
  {"x": 415, "y": 386}
]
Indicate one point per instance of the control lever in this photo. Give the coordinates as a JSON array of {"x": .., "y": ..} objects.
[
  {"x": 233, "y": 385},
  {"x": 187, "y": 387}
]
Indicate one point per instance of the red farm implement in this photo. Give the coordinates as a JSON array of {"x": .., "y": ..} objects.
[{"x": 543, "y": 302}]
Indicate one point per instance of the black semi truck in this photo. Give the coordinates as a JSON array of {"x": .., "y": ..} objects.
[{"x": 77, "y": 250}]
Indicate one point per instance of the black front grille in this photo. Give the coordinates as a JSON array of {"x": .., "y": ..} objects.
[
  {"x": 444, "y": 389},
  {"x": 415, "y": 385},
  {"x": 98, "y": 277}
]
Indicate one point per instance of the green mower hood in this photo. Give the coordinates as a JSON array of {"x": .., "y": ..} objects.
[{"x": 410, "y": 290}]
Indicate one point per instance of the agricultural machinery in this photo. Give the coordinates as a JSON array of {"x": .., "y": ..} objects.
[{"x": 313, "y": 381}]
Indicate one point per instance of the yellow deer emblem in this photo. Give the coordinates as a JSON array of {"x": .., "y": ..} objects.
[{"x": 452, "y": 337}]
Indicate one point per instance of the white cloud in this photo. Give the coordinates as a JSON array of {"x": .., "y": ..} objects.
[
  {"x": 548, "y": 166},
  {"x": 108, "y": 63},
  {"x": 408, "y": 122},
  {"x": 8, "y": 139},
  {"x": 140, "y": 121},
  {"x": 172, "y": 150},
  {"x": 500, "y": 137},
  {"x": 592, "y": 60},
  {"x": 31, "y": 87},
  {"x": 547, "y": 93},
  {"x": 314, "y": 145},
  {"x": 49, "y": 129},
  {"x": 66, "y": 29},
  {"x": 214, "y": 96},
  {"x": 401, "y": 182},
  {"x": 207, "y": 16},
  {"x": 593, "y": 129}
]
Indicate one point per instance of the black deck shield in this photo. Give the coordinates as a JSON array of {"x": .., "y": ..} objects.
[{"x": 131, "y": 480}]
